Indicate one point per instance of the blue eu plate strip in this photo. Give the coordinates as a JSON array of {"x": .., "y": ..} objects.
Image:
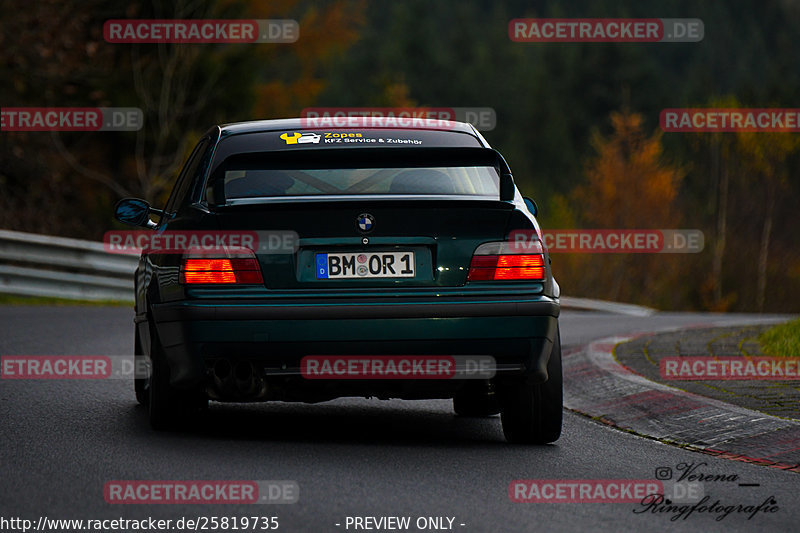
[{"x": 322, "y": 266}]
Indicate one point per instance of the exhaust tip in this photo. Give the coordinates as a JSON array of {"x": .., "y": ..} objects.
[
  {"x": 243, "y": 371},
  {"x": 222, "y": 368}
]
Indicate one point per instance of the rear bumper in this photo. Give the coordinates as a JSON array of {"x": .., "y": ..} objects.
[{"x": 517, "y": 332}]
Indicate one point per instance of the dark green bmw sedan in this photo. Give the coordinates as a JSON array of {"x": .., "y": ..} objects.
[{"x": 298, "y": 262}]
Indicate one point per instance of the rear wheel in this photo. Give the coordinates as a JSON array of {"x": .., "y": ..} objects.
[
  {"x": 169, "y": 407},
  {"x": 532, "y": 412}
]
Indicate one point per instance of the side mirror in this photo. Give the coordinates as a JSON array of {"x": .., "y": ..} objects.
[
  {"x": 531, "y": 205},
  {"x": 135, "y": 212},
  {"x": 507, "y": 191}
]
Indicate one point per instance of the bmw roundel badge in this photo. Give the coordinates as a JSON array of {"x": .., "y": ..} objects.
[{"x": 365, "y": 222}]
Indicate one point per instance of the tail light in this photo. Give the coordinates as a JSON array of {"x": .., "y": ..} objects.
[
  {"x": 508, "y": 261},
  {"x": 213, "y": 270}
]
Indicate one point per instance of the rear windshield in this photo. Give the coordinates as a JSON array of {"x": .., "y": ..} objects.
[
  {"x": 255, "y": 183},
  {"x": 368, "y": 172}
]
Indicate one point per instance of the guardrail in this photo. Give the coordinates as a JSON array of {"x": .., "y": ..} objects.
[
  {"x": 603, "y": 306},
  {"x": 57, "y": 267}
]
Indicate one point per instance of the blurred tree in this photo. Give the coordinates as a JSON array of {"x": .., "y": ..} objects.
[
  {"x": 630, "y": 186},
  {"x": 765, "y": 156},
  {"x": 293, "y": 81},
  {"x": 720, "y": 151},
  {"x": 58, "y": 57},
  {"x": 52, "y": 54},
  {"x": 549, "y": 99},
  {"x": 627, "y": 183},
  {"x": 186, "y": 88}
]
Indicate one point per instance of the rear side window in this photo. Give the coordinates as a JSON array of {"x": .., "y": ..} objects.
[{"x": 187, "y": 176}]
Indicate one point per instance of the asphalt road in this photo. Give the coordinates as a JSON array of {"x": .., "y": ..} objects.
[{"x": 61, "y": 441}]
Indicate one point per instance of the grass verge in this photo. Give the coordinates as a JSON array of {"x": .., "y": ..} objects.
[
  {"x": 782, "y": 340},
  {"x": 11, "y": 299}
]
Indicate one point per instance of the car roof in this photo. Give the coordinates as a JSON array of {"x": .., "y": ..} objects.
[{"x": 300, "y": 124}]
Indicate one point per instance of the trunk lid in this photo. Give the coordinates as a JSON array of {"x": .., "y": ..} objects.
[{"x": 440, "y": 233}]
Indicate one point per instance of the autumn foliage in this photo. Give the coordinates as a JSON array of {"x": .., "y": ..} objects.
[
  {"x": 629, "y": 185},
  {"x": 577, "y": 122}
]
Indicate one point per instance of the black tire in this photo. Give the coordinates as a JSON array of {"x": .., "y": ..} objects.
[
  {"x": 532, "y": 413},
  {"x": 141, "y": 386},
  {"x": 168, "y": 407},
  {"x": 476, "y": 403}
]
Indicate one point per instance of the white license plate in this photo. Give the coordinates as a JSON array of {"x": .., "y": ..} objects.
[{"x": 366, "y": 265}]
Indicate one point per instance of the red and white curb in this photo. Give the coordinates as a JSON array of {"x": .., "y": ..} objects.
[{"x": 596, "y": 385}]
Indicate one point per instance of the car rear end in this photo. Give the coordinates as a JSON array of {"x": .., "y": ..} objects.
[{"x": 363, "y": 250}]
